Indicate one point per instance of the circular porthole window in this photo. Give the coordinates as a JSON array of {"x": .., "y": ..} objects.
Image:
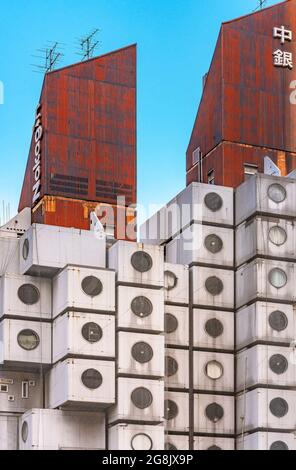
[
  {"x": 142, "y": 353},
  {"x": 28, "y": 340},
  {"x": 214, "y": 286},
  {"x": 278, "y": 321},
  {"x": 214, "y": 448},
  {"x": 171, "y": 410},
  {"x": 213, "y": 202},
  {"x": 142, "y": 307},
  {"x": 278, "y": 364},
  {"x": 141, "y": 262},
  {"x": 213, "y": 244},
  {"x": 26, "y": 249},
  {"x": 170, "y": 280},
  {"x": 279, "y": 445},
  {"x": 278, "y": 278},
  {"x": 170, "y": 447},
  {"x": 25, "y": 431},
  {"x": 142, "y": 442},
  {"x": 214, "y": 370},
  {"x": 277, "y": 193},
  {"x": 92, "y": 379},
  {"x": 92, "y": 332},
  {"x": 92, "y": 286},
  {"x": 277, "y": 235},
  {"x": 29, "y": 294},
  {"x": 171, "y": 323},
  {"x": 214, "y": 328},
  {"x": 214, "y": 412},
  {"x": 171, "y": 366},
  {"x": 279, "y": 407},
  {"x": 142, "y": 398}
]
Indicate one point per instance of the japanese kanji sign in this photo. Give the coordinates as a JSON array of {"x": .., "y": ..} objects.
[{"x": 282, "y": 58}]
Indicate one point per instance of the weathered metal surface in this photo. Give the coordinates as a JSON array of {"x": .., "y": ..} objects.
[{"x": 247, "y": 99}]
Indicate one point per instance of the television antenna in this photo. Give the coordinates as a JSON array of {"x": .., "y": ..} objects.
[
  {"x": 51, "y": 57},
  {"x": 88, "y": 45},
  {"x": 261, "y": 5}
]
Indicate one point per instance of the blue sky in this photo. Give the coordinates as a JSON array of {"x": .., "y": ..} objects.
[{"x": 176, "y": 40}]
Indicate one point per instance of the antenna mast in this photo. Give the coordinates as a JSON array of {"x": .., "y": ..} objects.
[
  {"x": 51, "y": 56},
  {"x": 88, "y": 45}
]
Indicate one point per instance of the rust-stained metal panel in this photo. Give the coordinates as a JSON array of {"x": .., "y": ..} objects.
[{"x": 254, "y": 96}]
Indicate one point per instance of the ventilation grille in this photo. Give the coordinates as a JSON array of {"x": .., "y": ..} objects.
[
  {"x": 65, "y": 184},
  {"x": 110, "y": 190}
]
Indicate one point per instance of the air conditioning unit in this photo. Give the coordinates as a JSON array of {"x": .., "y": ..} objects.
[
  {"x": 8, "y": 433},
  {"x": 137, "y": 264},
  {"x": 25, "y": 296},
  {"x": 83, "y": 289},
  {"x": 213, "y": 287},
  {"x": 267, "y": 441},
  {"x": 9, "y": 253},
  {"x": 213, "y": 330},
  {"x": 62, "y": 430},
  {"x": 140, "y": 309},
  {"x": 140, "y": 354},
  {"x": 213, "y": 372},
  {"x": 176, "y": 320},
  {"x": 214, "y": 414},
  {"x": 263, "y": 236},
  {"x": 214, "y": 443},
  {"x": 25, "y": 343},
  {"x": 266, "y": 280},
  {"x": 266, "y": 409},
  {"x": 202, "y": 244},
  {"x": 176, "y": 412},
  {"x": 265, "y": 321},
  {"x": 266, "y": 366},
  {"x": 265, "y": 195},
  {"x": 177, "y": 368},
  {"x": 136, "y": 437},
  {"x": 26, "y": 389},
  {"x": 138, "y": 400},
  {"x": 82, "y": 384},
  {"x": 83, "y": 334},
  {"x": 176, "y": 442},
  {"x": 45, "y": 250},
  {"x": 176, "y": 282}
]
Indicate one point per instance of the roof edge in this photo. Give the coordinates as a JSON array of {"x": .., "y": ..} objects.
[{"x": 255, "y": 12}]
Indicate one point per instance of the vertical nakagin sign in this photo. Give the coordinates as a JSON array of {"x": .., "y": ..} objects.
[{"x": 38, "y": 133}]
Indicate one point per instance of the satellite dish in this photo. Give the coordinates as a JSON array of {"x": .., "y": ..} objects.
[{"x": 270, "y": 168}]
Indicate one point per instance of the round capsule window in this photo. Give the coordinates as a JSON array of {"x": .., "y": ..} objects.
[
  {"x": 171, "y": 410},
  {"x": 214, "y": 370},
  {"x": 92, "y": 379},
  {"x": 92, "y": 286},
  {"x": 28, "y": 294},
  {"x": 25, "y": 431},
  {"x": 170, "y": 280},
  {"x": 213, "y": 244},
  {"x": 142, "y": 398},
  {"x": 278, "y": 321},
  {"x": 142, "y": 307},
  {"x": 142, "y": 442},
  {"x": 142, "y": 353},
  {"x": 171, "y": 366},
  {"x": 277, "y": 193},
  {"x": 214, "y": 448},
  {"x": 214, "y": 412},
  {"x": 26, "y": 249},
  {"x": 214, "y": 328},
  {"x": 171, "y": 323},
  {"x": 141, "y": 262},
  {"x": 170, "y": 447},
  {"x": 92, "y": 332},
  {"x": 213, "y": 202},
  {"x": 278, "y": 278},
  {"x": 278, "y": 364},
  {"x": 277, "y": 235},
  {"x": 28, "y": 340},
  {"x": 279, "y": 407},
  {"x": 279, "y": 445},
  {"x": 214, "y": 286}
]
